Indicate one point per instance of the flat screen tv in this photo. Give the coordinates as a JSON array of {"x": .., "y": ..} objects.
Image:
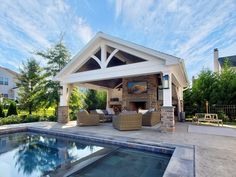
[{"x": 137, "y": 87}]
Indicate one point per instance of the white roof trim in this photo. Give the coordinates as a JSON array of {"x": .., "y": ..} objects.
[{"x": 102, "y": 36}]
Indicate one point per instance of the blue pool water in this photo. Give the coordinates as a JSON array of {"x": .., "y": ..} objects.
[{"x": 29, "y": 154}]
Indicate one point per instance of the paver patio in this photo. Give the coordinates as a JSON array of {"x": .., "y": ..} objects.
[{"x": 214, "y": 155}]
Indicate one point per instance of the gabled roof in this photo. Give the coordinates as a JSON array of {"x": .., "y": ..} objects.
[
  {"x": 169, "y": 59},
  {"x": 232, "y": 60},
  {"x": 10, "y": 71}
]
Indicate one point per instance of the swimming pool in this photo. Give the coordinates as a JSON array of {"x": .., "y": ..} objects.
[{"x": 38, "y": 154}]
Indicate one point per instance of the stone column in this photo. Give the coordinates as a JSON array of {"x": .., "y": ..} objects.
[
  {"x": 63, "y": 114},
  {"x": 167, "y": 119},
  {"x": 167, "y": 110}
]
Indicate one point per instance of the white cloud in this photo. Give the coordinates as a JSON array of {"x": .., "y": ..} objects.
[
  {"x": 84, "y": 30},
  {"x": 119, "y": 4},
  {"x": 187, "y": 29},
  {"x": 35, "y": 25}
]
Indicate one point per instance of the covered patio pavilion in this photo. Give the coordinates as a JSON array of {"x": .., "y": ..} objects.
[{"x": 115, "y": 65}]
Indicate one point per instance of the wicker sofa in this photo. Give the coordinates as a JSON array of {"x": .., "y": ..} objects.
[
  {"x": 84, "y": 118},
  {"x": 151, "y": 118},
  {"x": 127, "y": 121},
  {"x": 103, "y": 115}
]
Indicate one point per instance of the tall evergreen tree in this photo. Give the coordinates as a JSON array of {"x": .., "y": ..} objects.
[
  {"x": 57, "y": 57},
  {"x": 102, "y": 99},
  {"x": 216, "y": 88},
  {"x": 225, "y": 92},
  {"x": 30, "y": 84},
  {"x": 12, "y": 109},
  {"x": 76, "y": 101},
  {"x": 95, "y": 99},
  {"x": 203, "y": 87},
  {"x": 91, "y": 100}
]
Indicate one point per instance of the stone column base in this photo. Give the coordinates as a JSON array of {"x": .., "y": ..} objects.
[
  {"x": 167, "y": 119},
  {"x": 63, "y": 114}
]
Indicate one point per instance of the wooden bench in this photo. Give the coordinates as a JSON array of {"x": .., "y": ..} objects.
[{"x": 208, "y": 118}]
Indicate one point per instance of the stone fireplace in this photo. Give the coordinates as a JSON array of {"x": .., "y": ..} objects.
[
  {"x": 134, "y": 106},
  {"x": 148, "y": 100}
]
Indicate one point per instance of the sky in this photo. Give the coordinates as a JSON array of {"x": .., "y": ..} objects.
[{"x": 187, "y": 29}]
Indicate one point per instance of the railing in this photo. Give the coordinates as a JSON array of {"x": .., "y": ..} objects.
[
  {"x": 192, "y": 110},
  {"x": 229, "y": 110}
]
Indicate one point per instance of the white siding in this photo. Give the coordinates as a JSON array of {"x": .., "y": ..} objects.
[{"x": 8, "y": 89}]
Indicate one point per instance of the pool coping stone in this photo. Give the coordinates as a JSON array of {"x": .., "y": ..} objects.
[{"x": 181, "y": 164}]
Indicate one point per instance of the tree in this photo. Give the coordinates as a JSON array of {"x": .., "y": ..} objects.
[
  {"x": 91, "y": 100},
  {"x": 76, "y": 101},
  {"x": 95, "y": 99},
  {"x": 216, "y": 88},
  {"x": 12, "y": 109},
  {"x": 2, "y": 114},
  {"x": 190, "y": 106},
  {"x": 30, "y": 85},
  {"x": 102, "y": 99},
  {"x": 202, "y": 88},
  {"x": 225, "y": 91},
  {"x": 57, "y": 57}
]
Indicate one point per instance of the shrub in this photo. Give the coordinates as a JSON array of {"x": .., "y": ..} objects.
[
  {"x": 14, "y": 119},
  {"x": 73, "y": 115},
  {"x": 52, "y": 118},
  {"x": 223, "y": 116},
  {"x": 12, "y": 109},
  {"x": 43, "y": 118},
  {"x": 32, "y": 118},
  {"x": 2, "y": 114},
  {"x": 6, "y": 103}
]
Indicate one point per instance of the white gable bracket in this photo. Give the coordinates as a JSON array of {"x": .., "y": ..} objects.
[
  {"x": 103, "y": 55},
  {"x": 97, "y": 60},
  {"x": 111, "y": 55}
]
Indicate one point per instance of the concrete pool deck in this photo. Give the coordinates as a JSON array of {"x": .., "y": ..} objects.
[{"x": 214, "y": 155}]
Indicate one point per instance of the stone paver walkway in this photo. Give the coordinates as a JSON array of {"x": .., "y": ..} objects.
[{"x": 211, "y": 130}]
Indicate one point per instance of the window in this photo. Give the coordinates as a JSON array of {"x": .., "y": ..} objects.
[
  {"x": 5, "y": 95},
  {"x": 1, "y": 80},
  {"x": 5, "y": 81}
]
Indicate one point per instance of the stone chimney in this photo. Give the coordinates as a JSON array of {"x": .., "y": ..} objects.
[{"x": 216, "y": 62}]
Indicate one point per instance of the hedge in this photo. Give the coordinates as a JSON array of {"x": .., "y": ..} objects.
[{"x": 14, "y": 119}]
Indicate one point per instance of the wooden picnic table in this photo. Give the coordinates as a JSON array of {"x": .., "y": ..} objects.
[{"x": 207, "y": 117}]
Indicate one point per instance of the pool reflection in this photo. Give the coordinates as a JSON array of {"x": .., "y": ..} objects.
[{"x": 35, "y": 155}]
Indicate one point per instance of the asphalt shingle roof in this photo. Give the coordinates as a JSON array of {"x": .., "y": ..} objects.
[{"x": 232, "y": 60}]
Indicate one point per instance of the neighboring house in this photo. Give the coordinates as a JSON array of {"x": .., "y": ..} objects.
[
  {"x": 8, "y": 79},
  {"x": 218, "y": 62}
]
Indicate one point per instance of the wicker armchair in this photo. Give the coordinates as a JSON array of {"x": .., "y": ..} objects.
[
  {"x": 151, "y": 118},
  {"x": 125, "y": 121},
  {"x": 103, "y": 115},
  {"x": 84, "y": 118}
]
